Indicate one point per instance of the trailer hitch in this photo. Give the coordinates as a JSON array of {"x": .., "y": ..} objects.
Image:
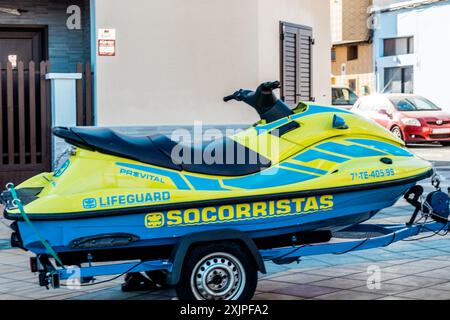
[
  {"x": 413, "y": 198},
  {"x": 436, "y": 204}
]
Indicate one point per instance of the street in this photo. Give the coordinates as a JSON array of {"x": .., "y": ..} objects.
[{"x": 405, "y": 270}]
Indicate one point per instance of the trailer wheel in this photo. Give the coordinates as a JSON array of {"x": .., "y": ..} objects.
[{"x": 222, "y": 271}]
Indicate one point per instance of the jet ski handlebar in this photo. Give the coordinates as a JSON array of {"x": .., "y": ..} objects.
[
  {"x": 263, "y": 100},
  {"x": 265, "y": 88}
]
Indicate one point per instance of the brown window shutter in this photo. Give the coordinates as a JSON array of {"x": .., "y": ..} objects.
[{"x": 296, "y": 63}]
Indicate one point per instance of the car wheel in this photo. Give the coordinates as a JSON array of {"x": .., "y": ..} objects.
[
  {"x": 445, "y": 143},
  {"x": 396, "y": 131}
]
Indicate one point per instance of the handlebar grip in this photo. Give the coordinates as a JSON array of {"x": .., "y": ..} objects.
[
  {"x": 229, "y": 98},
  {"x": 271, "y": 85}
]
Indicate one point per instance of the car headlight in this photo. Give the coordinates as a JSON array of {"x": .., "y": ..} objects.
[{"x": 411, "y": 122}]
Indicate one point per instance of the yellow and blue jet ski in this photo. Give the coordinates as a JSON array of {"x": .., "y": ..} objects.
[{"x": 298, "y": 173}]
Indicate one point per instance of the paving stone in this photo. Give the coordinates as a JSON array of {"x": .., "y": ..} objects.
[
  {"x": 150, "y": 297},
  {"x": 349, "y": 295},
  {"x": 426, "y": 294},
  {"x": 441, "y": 273},
  {"x": 108, "y": 294},
  {"x": 431, "y": 263},
  {"x": 274, "y": 296},
  {"x": 42, "y": 293},
  {"x": 408, "y": 269},
  {"x": 364, "y": 276},
  {"x": 298, "y": 278},
  {"x": 426, "y": 253},
  {"x": 305, "y": 291},
  {"x": 339, "y": 283},
  {"x": 443, "y": 286},
  {"x": 416, "y": 281},
  {"x": 395, "y": 298},
  {"x": 268, "y": 285},
  {"x": 15, "y": 287},
  {"x": 66, "y": 296},
  {"x": 335, "y": 271},
  {"x": 343, "y": 259},
  {"x": 12, "y": 297},
  {"x": 386, "y": 289},
  {"x": 282, "y": 273}
]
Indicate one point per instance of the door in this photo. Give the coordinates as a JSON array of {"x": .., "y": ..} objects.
[
  {"x": 296, "y": 63},
  {"x": 21, "y": 45},
  {"x": 381, "y": 111},
  {"x": 24, "y": 112}
]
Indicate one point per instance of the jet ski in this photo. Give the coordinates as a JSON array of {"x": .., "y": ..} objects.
[{"x": 299, "y": 173}]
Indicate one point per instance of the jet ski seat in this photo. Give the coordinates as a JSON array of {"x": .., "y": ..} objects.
[{"x": 235, "y": 160}]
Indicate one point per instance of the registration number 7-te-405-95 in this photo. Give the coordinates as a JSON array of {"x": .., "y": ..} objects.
[{"x": 374, "y": 174}]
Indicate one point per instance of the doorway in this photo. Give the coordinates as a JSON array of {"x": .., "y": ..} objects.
[
  {"x": 24, "y": 100},
  {"x": 22, "y": 44}
]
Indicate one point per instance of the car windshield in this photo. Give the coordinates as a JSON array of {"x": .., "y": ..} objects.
[
  {"x": 414, "y": 104},
  {"x": 344, "y": 96}
]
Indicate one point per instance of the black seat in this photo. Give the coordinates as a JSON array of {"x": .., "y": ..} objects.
[
  {"x": 233, "y": 158},
  {"x": 110, "y": 142}
]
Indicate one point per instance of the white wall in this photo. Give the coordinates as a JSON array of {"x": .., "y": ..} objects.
[
  {"x": 176, "y": 59},
  {"x": 429, "y": 26},
  {"x": 310, "y": 13}
]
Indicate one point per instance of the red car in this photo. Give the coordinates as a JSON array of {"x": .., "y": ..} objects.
[{"x": 410, "y": 117}]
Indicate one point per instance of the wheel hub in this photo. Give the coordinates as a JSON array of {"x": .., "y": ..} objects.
[{"x": 218, "y": 276}]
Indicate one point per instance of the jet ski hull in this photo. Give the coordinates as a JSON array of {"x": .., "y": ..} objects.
[{"x": 120, "y": 237}]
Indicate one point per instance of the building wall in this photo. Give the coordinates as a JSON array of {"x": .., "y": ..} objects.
[
  {"x": 66, "y": 47},
  {"x": 336, "y": 20},
  {"x": 349, "y": 20},
  {"x": 430, "y": 60},
  {"x": 175, "y": 59},
  {"x": 354, "y": 17},
  {"x": 360, "y": 70}
]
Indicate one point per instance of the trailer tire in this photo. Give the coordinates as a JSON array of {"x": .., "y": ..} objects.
[{"x": 220, "y": 271}]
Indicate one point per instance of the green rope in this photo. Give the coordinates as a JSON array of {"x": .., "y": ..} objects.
[{"x": 18, "y": 203}]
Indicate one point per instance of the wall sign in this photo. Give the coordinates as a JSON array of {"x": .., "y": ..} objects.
[
  {"x": 106, "y": 42},
  {"x": 12, "y": 58}
]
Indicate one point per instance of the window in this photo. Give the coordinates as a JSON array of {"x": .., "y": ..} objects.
[
  {"x": 399, "y": 80},
  {"x": 352, "y": 84},
  {"x": 398, "y": 46},
  {"x": 296, "y": 58},
  {"x": 352, "y": 53},
  {"x": 333, "y": 55},
  {"x": 343, "y": 97},
  {"x": 414, "y": 104}
]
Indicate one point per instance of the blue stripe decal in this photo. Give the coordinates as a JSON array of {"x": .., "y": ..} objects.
[
  {"x": 310, "y": 111},
  {"x": 303, "y": 168},
  {"x": 174, "y": 176},
  {"x": 387, "y": 147},
  {"x": 312, "y": 155},
  {"x": 204, "y": 184},
  {"x": 350, "y": 151},
  {"x": 268, "y": 179},
  {"x": 318, "y": 109},
  {"x": 269, "y": 127}
]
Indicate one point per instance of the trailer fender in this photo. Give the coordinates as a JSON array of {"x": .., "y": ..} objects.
[{"x": 180, "y": 250}]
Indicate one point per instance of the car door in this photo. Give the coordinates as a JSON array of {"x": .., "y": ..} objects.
[{"x": 382, "y": 112}]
